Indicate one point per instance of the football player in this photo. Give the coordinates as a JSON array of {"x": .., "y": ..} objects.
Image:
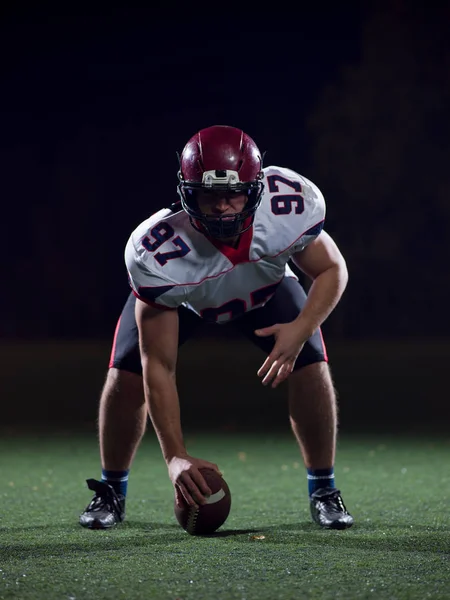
[{"x": 218, "y": 255}]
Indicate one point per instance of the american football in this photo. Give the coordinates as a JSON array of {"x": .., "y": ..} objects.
[{"x": 206, "y": 519}]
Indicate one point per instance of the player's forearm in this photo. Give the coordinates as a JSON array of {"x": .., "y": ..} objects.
[
  {"x": 324, "y": 294},
  {"x": 164, "y": 409}
]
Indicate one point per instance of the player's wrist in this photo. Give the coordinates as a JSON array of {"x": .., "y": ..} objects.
[
  {"x": 174, "y": 453},
  {"x": 305, "y": 327}
]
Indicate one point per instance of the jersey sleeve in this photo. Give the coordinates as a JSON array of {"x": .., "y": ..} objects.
[
  {"x": 147, "y": 285},
  {"x": 314, "y": 215},
  {"x": 294, "y": 209}
]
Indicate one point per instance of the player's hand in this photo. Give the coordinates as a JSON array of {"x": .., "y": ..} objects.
[
  {"x": 188, "y": 481},
  {"x": 288, "y": 344}
]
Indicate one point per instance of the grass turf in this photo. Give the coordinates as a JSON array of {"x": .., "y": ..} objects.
[{"x": 398, "y": 490}]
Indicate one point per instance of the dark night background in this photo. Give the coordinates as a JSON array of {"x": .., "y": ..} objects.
[{"x": 93, "y": 108}]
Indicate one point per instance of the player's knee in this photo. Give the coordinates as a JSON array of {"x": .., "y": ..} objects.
[
  {"x": 123, "y": 383},
  {"x": 312, "y": 375}
]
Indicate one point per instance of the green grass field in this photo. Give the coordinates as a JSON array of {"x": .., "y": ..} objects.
[{"x": 398, "y": 490}]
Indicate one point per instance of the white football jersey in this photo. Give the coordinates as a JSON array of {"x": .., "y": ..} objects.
[{"x": 171, "y": 264}]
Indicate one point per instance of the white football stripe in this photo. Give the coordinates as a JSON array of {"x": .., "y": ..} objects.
[{"x": 215, "y": 497}]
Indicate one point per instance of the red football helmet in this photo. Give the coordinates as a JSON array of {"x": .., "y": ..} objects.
[{"x": 222, "y": 159}]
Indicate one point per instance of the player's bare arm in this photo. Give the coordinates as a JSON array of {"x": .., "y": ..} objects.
[
  {"x": 322, "y": 262},
  {"x": 158, "y": 340}
]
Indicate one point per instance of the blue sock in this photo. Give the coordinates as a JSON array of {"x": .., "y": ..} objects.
[
  {"x": 116, "y": 479},
  {"x": 320, "y": 478}
]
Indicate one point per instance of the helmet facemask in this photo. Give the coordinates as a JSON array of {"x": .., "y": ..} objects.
[{"x": 226, "y": 182}]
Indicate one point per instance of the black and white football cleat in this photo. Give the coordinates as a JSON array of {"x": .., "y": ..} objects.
[
  {"x": 328, "y": 509},
  {"x": 106, "y": 509}
]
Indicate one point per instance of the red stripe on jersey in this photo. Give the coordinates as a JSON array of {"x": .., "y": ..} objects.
[{"x": 238, "y": 255}]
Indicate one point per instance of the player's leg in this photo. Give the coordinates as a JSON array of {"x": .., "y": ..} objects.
[
  {"x": 122, "y": 413},
  {"x": 312, "y": 402},
  {"x": 122, "y": 418},
  {"x": 314, "y": 423},
  {"x": 313, "y": 417}
]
